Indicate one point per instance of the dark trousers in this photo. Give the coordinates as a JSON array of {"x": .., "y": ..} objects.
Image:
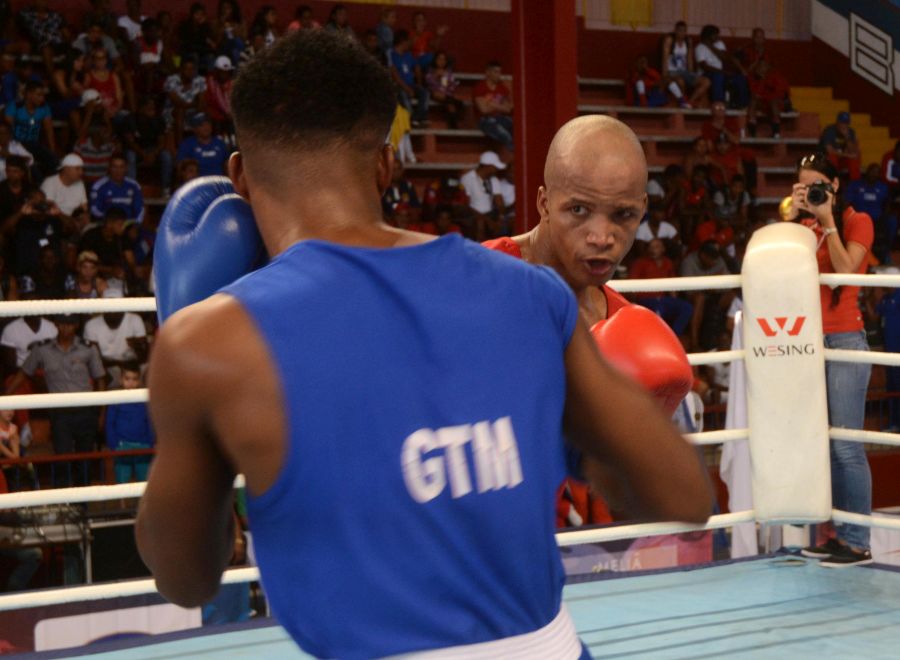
[{"x": 73, "y": 430}]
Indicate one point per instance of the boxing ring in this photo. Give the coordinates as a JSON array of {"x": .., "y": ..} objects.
[{"x": 743, "y": 608}]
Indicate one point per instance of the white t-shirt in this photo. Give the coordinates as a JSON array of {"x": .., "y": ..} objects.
[
  {"x": 508, "y": 192},
  {"x": 132, "y": 28},
  {"x": 67, "y": 198},
  {"x": 704, "y": 53},
  {"x": 666, "y": 230},
  {"x": 481, "y": 193},
  {"x": 19, "y": 335},
  {"x": 113, "y": 344},
  {"x": 655, "y": 189}
]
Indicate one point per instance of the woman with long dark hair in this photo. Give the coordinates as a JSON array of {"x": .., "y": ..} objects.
[{"x": 844, "y": 239}]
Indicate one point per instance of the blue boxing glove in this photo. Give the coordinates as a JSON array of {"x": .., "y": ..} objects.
[{"x": 207, "y": 239}]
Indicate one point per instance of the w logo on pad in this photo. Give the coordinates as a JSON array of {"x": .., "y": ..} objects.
[{"x": 781, "y": 322}]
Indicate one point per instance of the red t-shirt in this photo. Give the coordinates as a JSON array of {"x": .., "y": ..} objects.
[
  {"x": 420, "y": 43},
  {"x": 773, "y": 87},
  {"x": 709, "y": 231},
  {"x": 846, "y": 316},
  {"x": 614, "y": 299},
  {"x": 499, "y": 93},
  {"x": 711, "y": 133},
  {"x": 646, "y": 268},
  {"x": 730, "y": 160}
]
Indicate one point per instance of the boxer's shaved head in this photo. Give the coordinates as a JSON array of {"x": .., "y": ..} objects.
[
  {"x": 592, "y": 200},
  {"x": 313, "y": 97}
]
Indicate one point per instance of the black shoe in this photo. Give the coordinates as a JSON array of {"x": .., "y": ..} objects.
[
  {"x": 847, "y": 557},
  {"x": 829, "y": 548}
]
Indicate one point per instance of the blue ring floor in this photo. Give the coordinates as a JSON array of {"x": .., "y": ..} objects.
[{"x": 772, "y": 607}]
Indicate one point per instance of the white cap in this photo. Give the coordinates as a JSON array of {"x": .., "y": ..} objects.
[
  {"x": 89, "y": 95},
  {"x": 113, "y": 293},
  {"x": 72, "y": 160},
  {"x": 491, "y": 158},
  {"x": 223, "y": 63}
]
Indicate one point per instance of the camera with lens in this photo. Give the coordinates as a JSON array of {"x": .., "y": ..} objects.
[{"x": 817, "y": 193}]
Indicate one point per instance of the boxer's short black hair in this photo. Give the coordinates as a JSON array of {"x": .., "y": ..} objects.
[{"x": 312, "y": 89}]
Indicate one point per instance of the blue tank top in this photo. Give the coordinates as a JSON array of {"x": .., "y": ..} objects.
[{"x": 424, "y": 389}]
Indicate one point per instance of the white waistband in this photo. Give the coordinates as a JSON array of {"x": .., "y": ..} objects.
[{"x": 557, "y": 640}]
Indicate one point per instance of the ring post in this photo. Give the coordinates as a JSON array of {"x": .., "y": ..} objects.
[{"x": 786, "y": 400}]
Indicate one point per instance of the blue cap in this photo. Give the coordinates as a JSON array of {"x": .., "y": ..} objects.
[{"x": 843, "y": 117}]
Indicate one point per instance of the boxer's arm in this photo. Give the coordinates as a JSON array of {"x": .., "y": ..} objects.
[
  {"x": 183, "y": 528},
  {"x": 647, "y": 470}
]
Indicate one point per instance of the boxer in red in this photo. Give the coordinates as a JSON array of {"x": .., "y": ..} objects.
[{"x": 591, "y": 203}]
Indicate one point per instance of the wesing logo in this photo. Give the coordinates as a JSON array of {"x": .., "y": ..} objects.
[{"x": 782, "y": 325}]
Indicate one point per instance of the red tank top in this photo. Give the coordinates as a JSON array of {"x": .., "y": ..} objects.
[
  {"x": 106, "y": 89},
  {"x": 614, "y": 300}
]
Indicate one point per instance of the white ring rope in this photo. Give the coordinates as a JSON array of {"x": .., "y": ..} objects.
[
  {"x": 884, "y": 522},
  {"x": 872, "y": 437},
  {"x": 717, "y": 437},
  {"x": 702, "y": 283},
  {"x": 862, "y": 357},
  {"x": 76, "y": 306},
  {"x": 856, "y": 279},
  {"x": 72, "y": 399},
  {"x": 715, "y": 357}
]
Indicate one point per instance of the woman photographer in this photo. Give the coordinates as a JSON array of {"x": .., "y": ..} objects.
[{"x": 844, "y": 239}]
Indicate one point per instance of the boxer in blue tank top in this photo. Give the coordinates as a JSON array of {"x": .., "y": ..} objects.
[{"x": 396, "y": 403}]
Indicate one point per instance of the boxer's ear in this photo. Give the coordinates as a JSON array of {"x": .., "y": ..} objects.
[
  {"x": 385, "y": 168},
  {"x": 237, "y": 175}
]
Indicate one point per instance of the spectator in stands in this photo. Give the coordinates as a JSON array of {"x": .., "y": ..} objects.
[
  {"x": 149, "y": 53},
  {"x": 9, "y": 287},
  {"x": 711, "y": 56},
  {"x": 443, "y": 221},
  {"x": 168, "y": 35},
  {"x": 45, "y": 29},
  {"x": 720, "y": 125},
  {"x": 127, "y": 428},
  {"x": 384, "y": 31},
  {"x": 68, "y": 85},
  {"x": 401, "y": 191},
  {"x": 838, "y": 141},
  {"x": 120, "y": 337},
  {"x": 370, "y": 44},
  {"x": 728, "y": 157},
  {"x": 655, "y": 227},
  {"x": 195, "y": 38},
  {"x": 407, "y": 77},
  {"x": 871, "y": 195},
  {"x": 442, "y": 84},
  {"x": 649, "y": 88},
  {"x": 446, "y": 192},
  {"x": 210, "y": 151},
  {"x": 130, "y": 24},
  {"x": 675, "y": 311},
  {"x": 107, "y": 84},
  {"x": 732, "y": 203},
  {"x": 51, "y": 281},
  {"x": 101, "y": 15},
  {"x": 69, "y": 365},
  {"x": 14, "y": 191},
  {"x": 19, "y": 336},
  {"x": 494, "y": 106},
  {"x": 754, "y": 54},
  {"x": 66, "y": 189},
  {"x": 229, "y": 31},
  {"x": 218, "y": 96},
  {"x": 718, "y": 229},
  {"x": 105, "y": 240},
  {"x": 37, "y": 224},
  {"x": 95, "y": 147},
  {"x": 768, "y": 93},
  {"x": 88, "y": 283},
  {"x": 95, "y": 39},
  {"x": 678, "y": 64},
  {"x": 303, "y": 20},
  {"x": 483, "y": 190},
  {"x": 145, "y": 141},
  {"x": 891, "y": 223},
  {"x": 118, "y": 190},
  {"x": 31, "y": 123},
  {"x": 890, "y": 167},
  {"x": 10, "y": 147},
  {"x": 426, "y": 43},
  {"x": 507, "y": 179},
  {"x": 885, "y": 306},
  {"x": 185, "y": 171},
  {"x": 266, "y": 23},
  {"x": 708, "y": 320},
  {"x": 339, "y": 21},
  {"x": 137, "y": 248},
  {"x": 255, "y": 44},
  {"x": 184, "y": 97}
]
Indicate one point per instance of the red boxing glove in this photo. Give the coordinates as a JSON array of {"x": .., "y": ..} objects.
[{"x": 640, "y": 345}]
